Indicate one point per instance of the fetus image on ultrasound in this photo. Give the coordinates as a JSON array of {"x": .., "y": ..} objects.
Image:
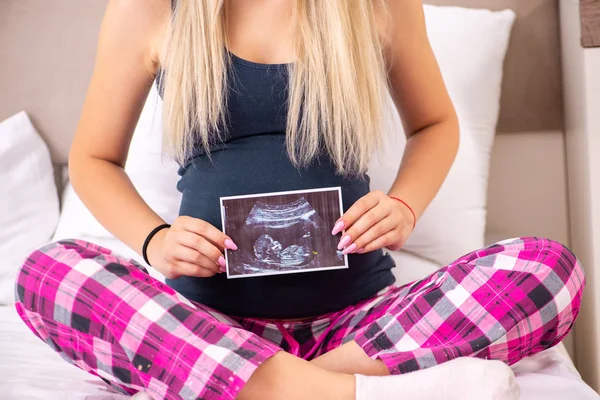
[{"x": 283, "y": 233}]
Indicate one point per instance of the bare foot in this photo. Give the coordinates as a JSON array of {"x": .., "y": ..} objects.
[
  {"x": 286, "y": 377},
  {"x": 350, "y": 358}
]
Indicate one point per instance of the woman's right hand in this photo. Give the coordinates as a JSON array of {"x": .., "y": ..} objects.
[{"x": 190, "y": 247}]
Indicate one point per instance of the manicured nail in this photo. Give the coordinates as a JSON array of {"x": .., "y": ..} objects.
[
  {"x": 222, "y": 269},
  {"x": 230, "y": 245},
  {"x": 360, "y": 251},
  {"x": 350, "y": 249},
  {"x": 222, "y": 262},
  {"x": 344, "y": 242},
  {"x": 338, "y": 227}
]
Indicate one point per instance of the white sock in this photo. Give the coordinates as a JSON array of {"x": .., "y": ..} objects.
[{"x": 459, "y": 379}]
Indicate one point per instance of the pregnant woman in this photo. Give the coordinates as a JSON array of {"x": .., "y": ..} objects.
[{"x": 266, "y": 96}]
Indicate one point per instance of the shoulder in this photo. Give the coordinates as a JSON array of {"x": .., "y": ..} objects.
[
  {"x": 138, "y": 26},
  {"x": 403, "y": 19},
  {"x": 405, "y": 10},
  {"x": 147, "y": 10},
  {"x": 148, "y": 14}
]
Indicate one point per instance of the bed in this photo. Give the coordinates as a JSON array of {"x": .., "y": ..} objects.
[{"x": 47, "y": 52}]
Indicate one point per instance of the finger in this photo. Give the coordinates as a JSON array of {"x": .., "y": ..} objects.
[
  {"x": 192, "y": 256},
  {"x": 360, "y": 207},
  {"x": 389, "y": 239},
  {"x": 209, "y": 232},
  {"x": 372, "y": 234},
  {"x": 200, "y": 244},
  {"x": 188, "y": 269},
  {"x": 368, "y": 220}
]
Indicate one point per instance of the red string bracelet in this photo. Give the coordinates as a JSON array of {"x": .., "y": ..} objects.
[{"x": 410, "y": 208}]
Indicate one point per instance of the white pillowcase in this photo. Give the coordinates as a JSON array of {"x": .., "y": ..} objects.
[
  {"x": 29, "y": 207},
  {"x": 470, "y": 46}
]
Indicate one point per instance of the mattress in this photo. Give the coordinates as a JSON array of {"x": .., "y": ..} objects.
[{"x": 30, "y": 370}]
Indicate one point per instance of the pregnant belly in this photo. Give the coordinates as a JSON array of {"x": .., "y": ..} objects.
[
  {"x": 260, "y": 164},
  {"x": 257, "y": 164}
]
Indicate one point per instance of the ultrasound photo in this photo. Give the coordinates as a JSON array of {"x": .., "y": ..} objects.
[{"x": 283, "y": 233}]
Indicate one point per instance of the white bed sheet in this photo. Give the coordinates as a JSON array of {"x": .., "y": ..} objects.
[{"x": 30, "y": 370}]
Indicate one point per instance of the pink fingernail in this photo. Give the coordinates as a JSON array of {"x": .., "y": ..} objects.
[
  {"x": 230, "y": 245},
  {"x": 223, "y": 269},
  {"x": 360, "y": 251},
  {"x": 222, "y": 262},
  {"x": 350, "y": 249},
  {"x": 344, "y": 242},
  {"x": 338, "y": 227}
]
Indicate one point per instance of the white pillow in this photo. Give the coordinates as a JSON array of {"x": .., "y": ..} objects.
[
  {"x": 153, "y": 176},
  {"x": 470, "y": 46},
  {"x": 28, "y": 201}
]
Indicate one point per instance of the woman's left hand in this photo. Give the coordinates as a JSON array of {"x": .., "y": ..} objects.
[{"x": 375, "y": 221}]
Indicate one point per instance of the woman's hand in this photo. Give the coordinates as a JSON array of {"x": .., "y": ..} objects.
[
  {"x": 373, "y": 222},
  {"x": 190, "y": 247}
]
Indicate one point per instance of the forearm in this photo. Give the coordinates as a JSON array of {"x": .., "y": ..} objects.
[
  {"x": 108, "y": 193},
  {"x": 427, "y": 158}
]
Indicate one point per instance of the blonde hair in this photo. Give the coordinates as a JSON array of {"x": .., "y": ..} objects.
[{"x": 337, "y": 84}]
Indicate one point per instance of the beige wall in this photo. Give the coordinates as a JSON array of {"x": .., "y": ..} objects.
[
  {"x": 527, "y": 185},
  {"x": 582, "y": 112}
]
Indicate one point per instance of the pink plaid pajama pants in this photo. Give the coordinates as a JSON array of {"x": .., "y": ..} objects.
[{"x": 107, "y": 316}]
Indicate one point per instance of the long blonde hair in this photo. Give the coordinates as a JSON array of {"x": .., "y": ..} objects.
[{"x": 337, "y": 84}]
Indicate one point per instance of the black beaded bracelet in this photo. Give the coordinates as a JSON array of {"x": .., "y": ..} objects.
[{"x": 149, "y": 238}]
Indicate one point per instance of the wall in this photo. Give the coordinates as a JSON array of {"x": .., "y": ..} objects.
[
  {"x": 590, "y": 23},
  {"x": 581, "y": 69}
]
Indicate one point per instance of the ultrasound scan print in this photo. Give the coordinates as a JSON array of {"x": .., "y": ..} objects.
[{"x": 283, "y": 233}]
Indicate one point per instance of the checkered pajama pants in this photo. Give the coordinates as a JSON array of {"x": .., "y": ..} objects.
[{"x": 107, "y": 316}]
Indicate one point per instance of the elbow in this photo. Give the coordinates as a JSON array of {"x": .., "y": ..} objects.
[
  {"x": 453, "y": 133},
  {"x": 77, "y": 167},
  {"x": 445, "y": 133},
  {"x": 73, "y": 164},
  {"x": 81, "y": 166},
  {"x": 85, "y": 166}
]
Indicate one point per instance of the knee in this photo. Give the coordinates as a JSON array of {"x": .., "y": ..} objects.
[
  {"x": 552, "y": 264},
  {"x": 555, "y": 265},
  {"x": 555, "y": 256},
  {"x": 47, "y": 263},
  {"x": 567, "y": 267},
  {"x": 561, "y": 278}
]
